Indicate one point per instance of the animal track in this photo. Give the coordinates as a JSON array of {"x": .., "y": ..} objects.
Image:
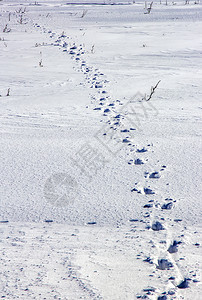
[{"x": 104, "y": 104}]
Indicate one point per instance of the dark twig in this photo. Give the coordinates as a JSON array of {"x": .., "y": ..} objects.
[
  {"x": 84, "y": 13},
  {"x": 149, "y": 8},
  {"x": 153, "y": 90}
]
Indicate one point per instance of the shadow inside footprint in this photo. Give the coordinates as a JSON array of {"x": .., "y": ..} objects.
[
  {"x": 173, "y": 248},
  {"x": 154, "y": 175},
  {"x": 138, "y": 162},
  {"x": 141, "y": 150},
  {"x": 184, "y": 284},
  {"x": 148, "y": 191},
  {"x": 164, "y": 264},
  {"x": 156, "y": 226},
  {"x": 167, "y": 205},
  {"x": 164, "y": 297}
]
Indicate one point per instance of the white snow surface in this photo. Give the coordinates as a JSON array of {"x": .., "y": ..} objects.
[{"x": 87, "y": 164}]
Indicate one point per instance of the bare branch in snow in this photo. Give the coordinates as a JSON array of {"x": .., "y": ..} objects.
[
  {"x": 149, "y": 8},
  {"x": 84, "y": 13},
  {"x": 153, "y": 90}
]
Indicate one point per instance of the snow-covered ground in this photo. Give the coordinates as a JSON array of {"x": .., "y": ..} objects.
[{"x": 100, "y": 127}]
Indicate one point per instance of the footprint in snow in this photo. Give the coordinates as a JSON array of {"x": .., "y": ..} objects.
[
  {"x": 125, "y": 140},
  {"x": 91, "y": 223},
  {"x": 143, "y": 191},
  {"x": 155, "y": 175},
  {"x": 138, "y": 161},
  {"x": 148, "y": 191},
  {"x": 167, "y": 206},
  {"x": 164, "y": 297},
  {"x": 141, "y": 150},
  {"x": 173, "y": 248},
  {"x": 157, "y": 226},
  {"x": 184, "y": 284},
  {"x": 164, "y": 264}
]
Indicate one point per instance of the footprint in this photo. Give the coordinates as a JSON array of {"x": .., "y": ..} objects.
[
  {"x": 164, "y": 264},
  {"x": 173, "y": 248},
  {"x": 148, "y": 191},
  {"x": 148, "y": 206},
  {"x": 163, "y": 297},
  {"x": 168, "y": 205},
  {"x": 154, "y": 175},
  {"x": 125, "y": 140},
  {"x": 184, "y": 284},
  {"x": 143, "y": 190},
  {"x": 141, "y": 150},
  {"x": 156, "y": 226},
  {"x": 138, "y": 162}
]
